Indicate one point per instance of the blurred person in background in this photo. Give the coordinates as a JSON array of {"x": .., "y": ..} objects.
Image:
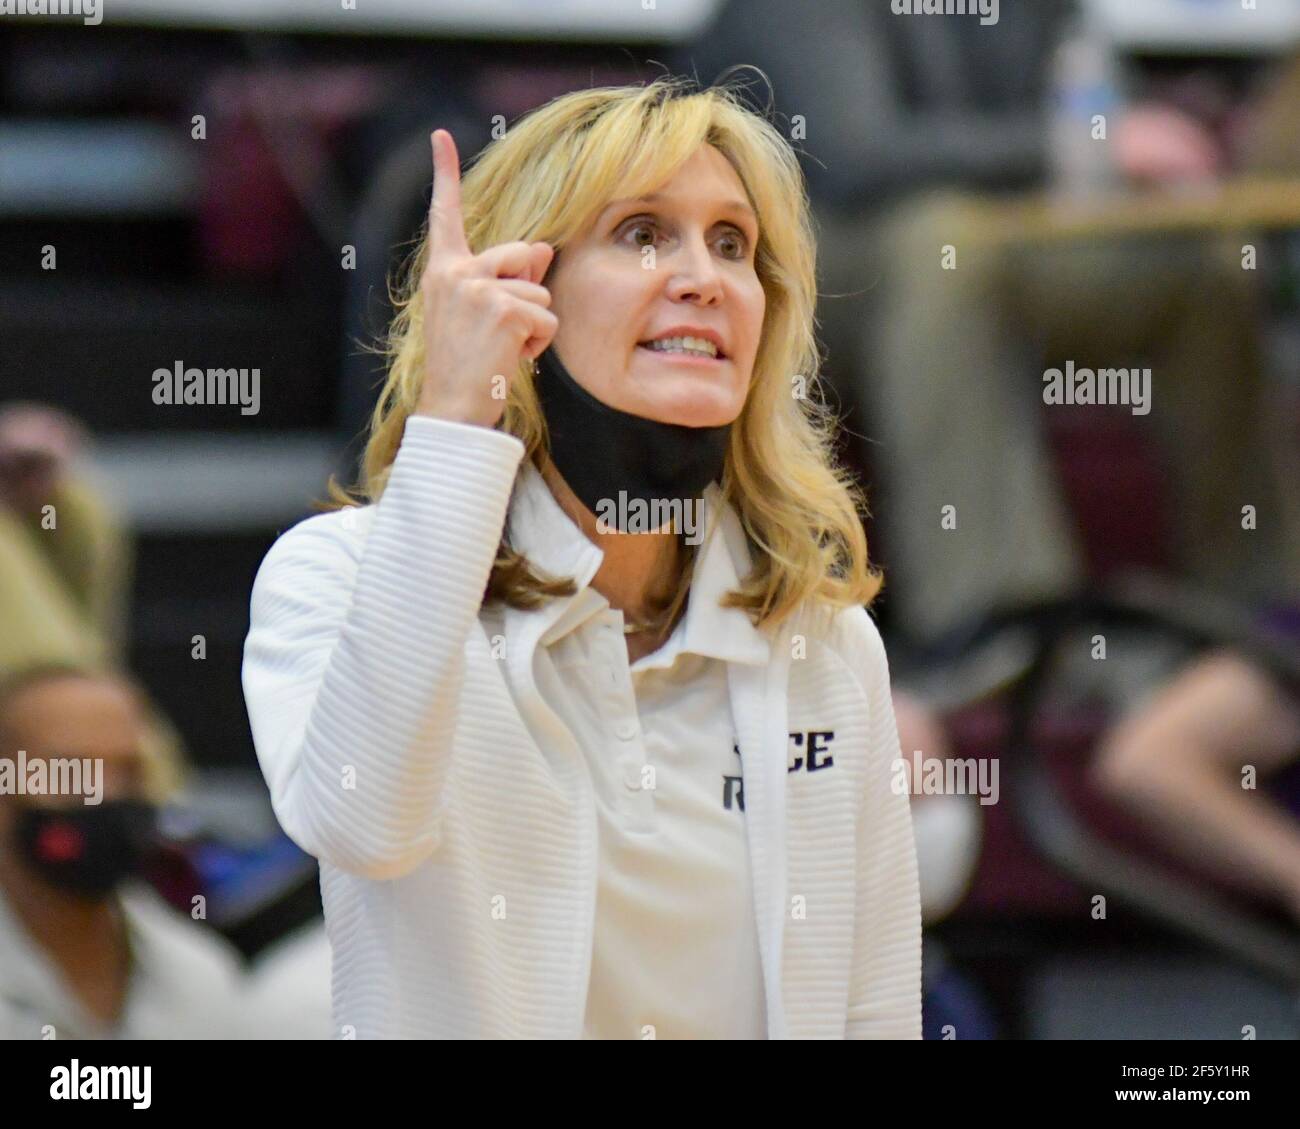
[
  {"x": 957, "y": 356},
  {"x": 87, "y": 949},
  {"x": 65, "y": 572},
  {"x": 1176, "y": 760},
  {"x": 65, "y": 566}
]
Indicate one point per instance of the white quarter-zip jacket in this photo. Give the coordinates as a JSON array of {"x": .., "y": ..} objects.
[{"x": 409, "y": 747}]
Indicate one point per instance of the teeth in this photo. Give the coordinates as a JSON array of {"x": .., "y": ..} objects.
[{"x": 694, "y": 345}]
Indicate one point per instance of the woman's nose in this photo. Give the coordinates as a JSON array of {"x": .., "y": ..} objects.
[{"x": 695, "y": 275}]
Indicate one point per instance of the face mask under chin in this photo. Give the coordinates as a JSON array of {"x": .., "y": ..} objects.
[{"x": 608, "y": 456}]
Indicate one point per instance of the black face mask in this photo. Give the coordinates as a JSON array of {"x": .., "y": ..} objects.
[
  {"x": 601, "y": 451},
  {"x": 86, "y": 850}
]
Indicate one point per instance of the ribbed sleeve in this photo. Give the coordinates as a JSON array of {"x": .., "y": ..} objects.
[
  {"x": 885, "y": 987},
  {"x": 354, "y": 660}
]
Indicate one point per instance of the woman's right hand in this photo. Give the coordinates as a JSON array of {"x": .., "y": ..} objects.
[{"x": 482, "y": 313}]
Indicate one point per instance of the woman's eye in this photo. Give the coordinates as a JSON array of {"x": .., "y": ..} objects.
[
  {"x": 739, "y": 241},
  {"x": 642, "y": 226}
]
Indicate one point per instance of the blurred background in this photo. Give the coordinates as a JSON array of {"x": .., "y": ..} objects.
[{"x": 1091, "y": 606}]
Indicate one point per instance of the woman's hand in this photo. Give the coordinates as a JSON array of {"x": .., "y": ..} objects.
[{"x": 482, "y": 313}]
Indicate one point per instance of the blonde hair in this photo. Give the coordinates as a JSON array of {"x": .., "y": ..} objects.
[{"x": 544, "y": 180}]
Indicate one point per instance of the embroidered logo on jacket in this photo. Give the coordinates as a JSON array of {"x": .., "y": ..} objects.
[{"x": 814, "y": 755}]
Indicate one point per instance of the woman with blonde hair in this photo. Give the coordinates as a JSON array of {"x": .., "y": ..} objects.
[{"x": 583, "y": 714}]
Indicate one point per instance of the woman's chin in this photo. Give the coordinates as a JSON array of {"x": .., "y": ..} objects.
[
  {"x": 694, "y": 414},
  {"x": 691, "y": 406}
]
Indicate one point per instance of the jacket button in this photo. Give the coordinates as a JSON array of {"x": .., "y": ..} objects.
[
  {"x": 626, "y": 730},
  {"x": 632, "y": 775}
]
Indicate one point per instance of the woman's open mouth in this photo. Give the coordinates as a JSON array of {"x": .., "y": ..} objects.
[{"x": 684, "y": 350}]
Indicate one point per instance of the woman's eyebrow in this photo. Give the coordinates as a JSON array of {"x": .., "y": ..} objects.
[{"x": 732, "y": 205}]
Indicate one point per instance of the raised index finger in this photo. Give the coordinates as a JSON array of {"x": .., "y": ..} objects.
[{"x": 446, "y": 228}]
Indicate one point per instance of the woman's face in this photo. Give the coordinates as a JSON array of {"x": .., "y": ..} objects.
[{"x": 612, "y": 296}]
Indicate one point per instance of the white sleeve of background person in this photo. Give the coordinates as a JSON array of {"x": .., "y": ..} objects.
[
  {"x": 354, "y": 659},
  {"x": 885, "y": 989}
]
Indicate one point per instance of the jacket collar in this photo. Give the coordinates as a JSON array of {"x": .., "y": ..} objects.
[{"x": 541, "y": 530}]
